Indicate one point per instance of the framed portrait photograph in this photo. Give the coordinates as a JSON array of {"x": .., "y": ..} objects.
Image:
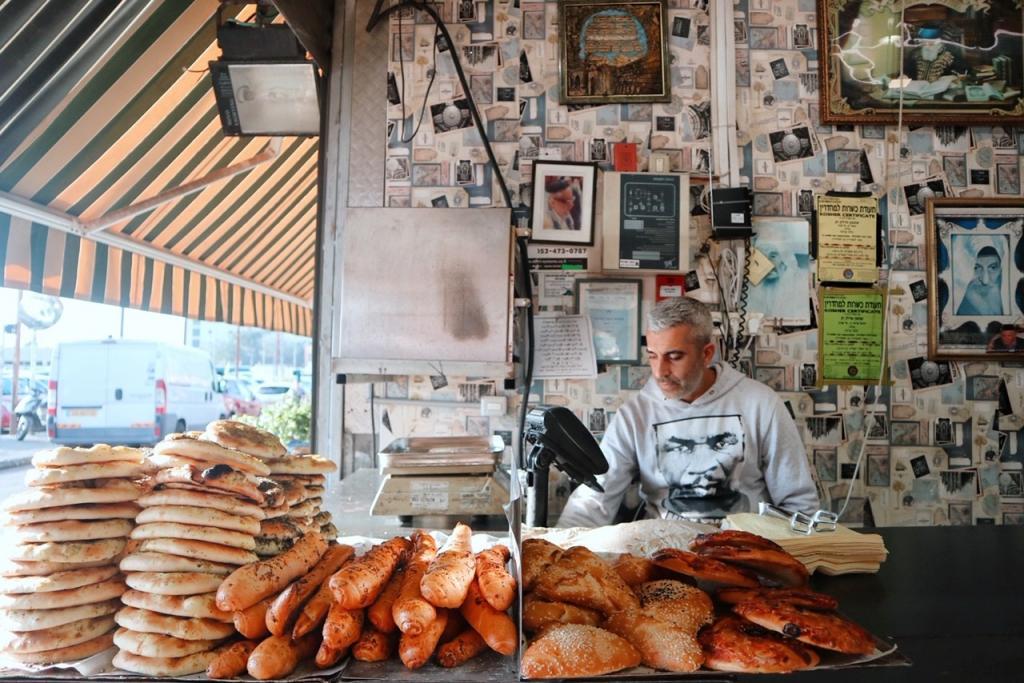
[
  {"x": 563, "y": 202},
  {"x": 613, "y": 306},
  {"x": 975, "y": 278},
  {"x": 613, "y": 52},
  {"x": 948, "y": 61}
]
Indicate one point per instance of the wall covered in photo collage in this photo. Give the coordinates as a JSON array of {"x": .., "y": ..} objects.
[{"x": 944, "y": 444}]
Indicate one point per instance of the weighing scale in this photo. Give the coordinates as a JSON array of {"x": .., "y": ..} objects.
[{"x": 443, "y": 475}]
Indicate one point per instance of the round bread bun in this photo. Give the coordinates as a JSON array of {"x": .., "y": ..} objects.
[
  {"x": 100, "y": 491},
  {"x": 38, "y": 619},
  {"x": 65, "y": 635},
  {"x": 281, "y": 528},
  {"x": 199, "y": 499},
  {"x": 44, "y": 532},
  {"x": 71, "y": 653},
  {"x": 156, "y": 645},
  {"x": 193, "y": 532},
  {"x": 163, "y": 562},
  {"x": 147, "y": 621},
  {"x": 173, "y": 583},
  {"x": 192, "y": 606},
  {"x": 10, "y": 567},
  {"x": 245, "y": 438},
  {"x": 73, "y": 552},
  {"x": 62, "y": 513},
  {"x": 97, "y": 470},
  {"x": 101, "y": 452},
  {"x": 210, "y": 452},
  {"x": 164, "y": 666},
  {"x": 70, "y": 597},
  {"x": 201, "y": 550},
  {"x": 186, "y": 514},
  {"x": 269, "y": 547},
  {"x": 60, "y": 581},
  {"x": 301, "y": 464}
]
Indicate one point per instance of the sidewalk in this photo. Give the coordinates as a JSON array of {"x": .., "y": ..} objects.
[{"x": 14, "y": 453}]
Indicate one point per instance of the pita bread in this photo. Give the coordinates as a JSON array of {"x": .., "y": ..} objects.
[
  {"x": 245, "y": 438},
  {"x": 75, "y": 512},
  {"x": 147, "y": 621},
  {"x": 173, "y": 583},
  {"x": 72, "y": 551},
  {"x": 101, "y": 452},
  {"x": 193, "y": 532},
  {"x": 269, "y": 547},
  {"x": 10, "y": 567},
  {"x": 70, "y": 597},
  {"x": 162, "y": 562},
  {"x": 282, "y": 528},
  {"x": 38, "y": 619},
  {"x": 98, "y": 470},
  {"x": 164, "y": 666},
  {"x": 277, "y": 511},
  {"x": 306, "y": 479},
  {"x": 301, "y": 464},
  {"x": 201, "y": 550},
  {"x": 205, "y": 499},
  {"x": 59, "y": 636},
  {"x": 186, "y": 514},
  {"x": 56, "y": 582},
  {"x": 209, "y": 452},
  {"x": 71, "y": 653},
  {"x": 156, "y": 645},
  {"x": 193, "y": 606},
  {"x": 314, "y": 492},
  {"x": 329, "y": 531},
  {"x": 308, "y": 508},
  {"x": 100, "y": 491},
  {"x": 44, "y": 532},
  {"x": 217, "y": 478}
]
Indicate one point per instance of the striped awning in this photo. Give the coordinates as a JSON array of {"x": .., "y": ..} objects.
[{"x": 106, "y": 110}]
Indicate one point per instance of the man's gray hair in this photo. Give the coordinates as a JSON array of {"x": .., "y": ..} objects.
[{"x": 682, "y": 311}]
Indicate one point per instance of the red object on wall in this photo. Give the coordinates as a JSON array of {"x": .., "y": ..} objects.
[
  {"x": 624, "y": 157},
  {"x": 669, "y": 286}
]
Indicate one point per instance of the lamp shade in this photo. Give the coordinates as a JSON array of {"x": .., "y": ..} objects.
[{"x": 267, "y": 98}]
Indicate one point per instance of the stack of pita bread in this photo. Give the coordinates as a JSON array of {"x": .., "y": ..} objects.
[
  {"x": 197, "y": 524},
  {"x": 301, "y": 476},
  {"x": 59, "y": 580}
]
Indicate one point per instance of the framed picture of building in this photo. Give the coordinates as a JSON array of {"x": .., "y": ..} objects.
[
  {"x": 953, "y": 61},
  {"x": 613, "y": 51}
]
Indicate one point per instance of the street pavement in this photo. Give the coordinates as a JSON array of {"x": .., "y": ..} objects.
[
  {"x": 14, "y": 452},
  {"x": 12, "y": 480}
]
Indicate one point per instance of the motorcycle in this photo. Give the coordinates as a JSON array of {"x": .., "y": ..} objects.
[{"x": 30, "y": 415}]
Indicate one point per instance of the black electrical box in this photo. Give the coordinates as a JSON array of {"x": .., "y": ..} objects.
[
  {"x": 245, "y": 42},
  {"x": 730, "y": 213}
]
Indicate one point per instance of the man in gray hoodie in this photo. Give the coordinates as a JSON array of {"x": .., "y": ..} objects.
[{"x": 704, "y": 440}]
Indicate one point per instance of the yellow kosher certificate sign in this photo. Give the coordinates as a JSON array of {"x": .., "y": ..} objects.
[
  {"x": 847, "y": 232},
  {"x": 850, "y": 346}
]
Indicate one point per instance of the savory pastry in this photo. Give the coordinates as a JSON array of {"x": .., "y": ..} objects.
[
  {"x": 661, "y": 644},
  {"x": 448, "y": 576},
  {"x": 582, "y": 578},
  {"x": 804, "y": 597},
  {"x": 537, "y": 555},
  {"x": 821, "y": 629},
  {"x": 704, "y": 568},
  {"x": 732, "y": 537},
  {"x": 733, "y": 644},
  {"x": 634, "y": 569},
  {"x": 410, "y": 611},
  {"x": 497, "y": 585},
  {"x": 677, "y": 603},
  {"x": 775, "y": 566},
  {"x": 577, "y": 651},
  {"x": 539, "y": 613}
]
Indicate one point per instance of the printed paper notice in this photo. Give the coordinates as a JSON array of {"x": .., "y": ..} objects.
[
  {"x": 847, "y": 232},
  {"x": 851, "y": 336},
  {"x": 563, "y": 348}
]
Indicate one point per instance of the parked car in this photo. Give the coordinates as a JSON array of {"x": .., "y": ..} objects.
[
  {"x": 272, "y": 392},
  {"x": 131, "y": 392},
  {"x": 239, "y": 399}
]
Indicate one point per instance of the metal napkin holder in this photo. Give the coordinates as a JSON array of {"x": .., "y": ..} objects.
[{"x": 821, "y": 521}]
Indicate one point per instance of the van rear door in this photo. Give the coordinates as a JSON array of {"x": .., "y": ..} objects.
[
  {"x": 131, "y": 386},
  {"x": 81, "y": 386}
]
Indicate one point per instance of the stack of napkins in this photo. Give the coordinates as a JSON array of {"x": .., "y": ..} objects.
[{"x": 842, "y": 551}]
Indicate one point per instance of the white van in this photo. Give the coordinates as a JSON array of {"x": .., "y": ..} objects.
[{"x": 129, "y": 392}]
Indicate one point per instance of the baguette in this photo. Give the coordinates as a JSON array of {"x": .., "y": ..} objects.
[
  {"x": 277, "y": 656},
  {"x": 411, "y": 612},
  {"x": 231, "y": 661},
  {"x": 379, "y": 613},
  {"x": 252, "y": 621},
  {"x": 456, "y": 625},
  {"x": 250, "y": 583},
  {"x": 416, "y": 650},
  {"x": 313, "y": 612},
  {"x": 448, "y": 577},
  {"x": 496, "y": 585},
  {"x": 374, "y": 646},
  {"x": 343, "y": 626},
  {"x": 328, "y": 656},
  {"x": 285, "y": 607},
  {"x": 496, "y": 628},
  {"x": 460, "y": 649},
  {"x": 358, "y": 583}
]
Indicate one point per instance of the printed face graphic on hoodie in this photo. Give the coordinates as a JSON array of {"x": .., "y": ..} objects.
[{"x": 697, "y": 457}]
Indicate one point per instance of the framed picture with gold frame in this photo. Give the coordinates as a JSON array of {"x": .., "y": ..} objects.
[
  {"x": 613, "y": 51},
  {"x": 975, "y": 256},
  {"x": 948, "y": 61}
]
